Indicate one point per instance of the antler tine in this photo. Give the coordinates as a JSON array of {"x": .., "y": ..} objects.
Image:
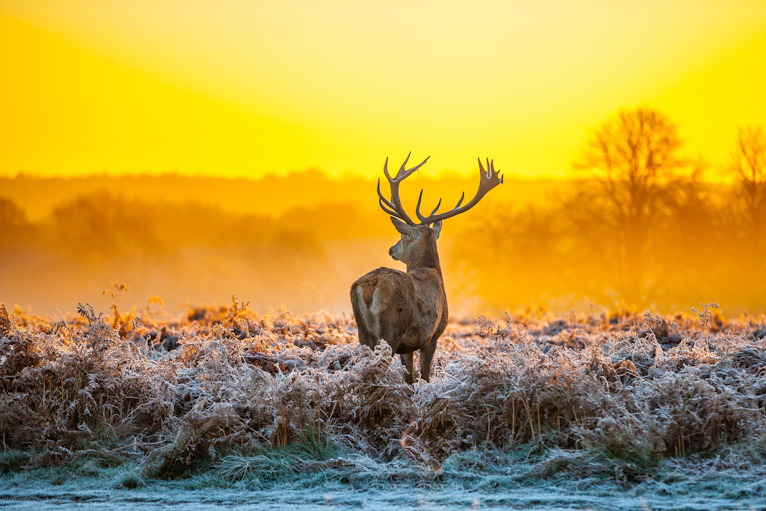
[
  {"x": 385, "y": 170},
  {"x": 417, "y": 208},
  {"x": 403, "y": 172},
  {"x": 394, "y": 206},
  {"x": 437, "y": 207},
  {"x": 416, "y": 167},
  {"x": 488, "y": 180},
  {"x": 401, "y": 169},
  {"x": 383, "y": 199},
  {"x": 384, "y": 208},
  {"x": 460, "y": 201}
]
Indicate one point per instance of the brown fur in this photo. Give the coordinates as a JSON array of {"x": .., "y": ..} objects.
[
  {"x": 367, "y": 289},
  {"x": 407, "y": 310}
]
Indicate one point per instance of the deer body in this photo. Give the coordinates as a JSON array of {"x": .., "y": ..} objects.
[{"x": 409, "y": 309}]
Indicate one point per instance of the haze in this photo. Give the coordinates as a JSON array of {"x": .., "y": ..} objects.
[{"x": 197, "y": 150}]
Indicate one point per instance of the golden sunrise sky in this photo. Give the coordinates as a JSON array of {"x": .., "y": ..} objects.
[{"x": 250, "y": 88}]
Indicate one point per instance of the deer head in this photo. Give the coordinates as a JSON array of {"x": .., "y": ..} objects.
[
  {"x": 415, "y": 243},
  {"x": 418, "y": 243}
]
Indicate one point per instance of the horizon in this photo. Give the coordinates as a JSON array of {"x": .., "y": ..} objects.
[{"x": 349, "y": 173}]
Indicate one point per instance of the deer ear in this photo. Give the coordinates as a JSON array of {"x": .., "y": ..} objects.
[
  {"x": 401, "y": 226},
  {"x": 437, "y": 226}
]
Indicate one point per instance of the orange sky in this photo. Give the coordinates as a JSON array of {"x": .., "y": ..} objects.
[{"x": 249, "y": 88}]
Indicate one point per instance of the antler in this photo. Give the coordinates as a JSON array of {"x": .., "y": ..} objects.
[
  {"x": 489, "y": 179},
  {"x": 394, "y": 206}
]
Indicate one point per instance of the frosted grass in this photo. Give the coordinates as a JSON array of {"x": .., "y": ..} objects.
[{"x": 530, "y": 412}]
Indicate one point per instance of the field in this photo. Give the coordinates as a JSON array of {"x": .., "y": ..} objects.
[{"x": 570, "y": 409}]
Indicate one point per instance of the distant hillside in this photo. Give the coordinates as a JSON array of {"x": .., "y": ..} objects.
[{"x": 271, "y": 195}]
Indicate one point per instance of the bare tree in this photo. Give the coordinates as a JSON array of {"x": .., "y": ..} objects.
[
  {"x": 748, "y": 165},
  {"x": 634, "y": 159}
]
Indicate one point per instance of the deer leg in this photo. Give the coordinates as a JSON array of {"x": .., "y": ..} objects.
[
  {"x": 361, "y": 314},
  {"x": 407, "y": 361},
  {"x": 426, "y": 355}
]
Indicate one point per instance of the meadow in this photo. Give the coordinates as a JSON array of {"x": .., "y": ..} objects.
[
  {"x": 197, "y": 152},
  {"x": 224, "y": 396}
]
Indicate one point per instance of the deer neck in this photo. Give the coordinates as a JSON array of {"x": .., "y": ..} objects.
[{"x": 426, "y": 257}]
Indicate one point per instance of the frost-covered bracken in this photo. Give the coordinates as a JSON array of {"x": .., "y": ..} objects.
[{"x": 639, "y": 388}]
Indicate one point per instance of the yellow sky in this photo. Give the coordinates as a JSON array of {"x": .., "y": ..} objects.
[{"x": 247, "y": 88}]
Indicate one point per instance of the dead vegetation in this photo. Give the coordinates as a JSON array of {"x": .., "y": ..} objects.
[{"x": 274, "y": 394}]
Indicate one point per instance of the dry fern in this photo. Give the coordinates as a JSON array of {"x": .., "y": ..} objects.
[{"x": 240, "y": 383}]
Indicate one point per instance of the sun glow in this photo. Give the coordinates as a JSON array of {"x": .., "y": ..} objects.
[
  {"x": 199, "y": 149},
  {"x": 250, "y": 88}
]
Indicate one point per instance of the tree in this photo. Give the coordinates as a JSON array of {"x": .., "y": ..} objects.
[
  {"x": 13, "y": 221},
  {"x": 616, "y": 213},
  {"x": 514, "y": 256},
  {"x": 748, "y": 165},
  {"x": 103, "y": 226}
]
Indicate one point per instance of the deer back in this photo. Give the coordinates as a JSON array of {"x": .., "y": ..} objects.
[{"x": 405, "y": 309}]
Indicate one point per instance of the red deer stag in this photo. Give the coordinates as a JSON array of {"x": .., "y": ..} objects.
[{"x": 409, "y": 310}]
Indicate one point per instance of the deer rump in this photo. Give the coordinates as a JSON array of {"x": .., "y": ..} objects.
[{"x": 407, "y": 310}]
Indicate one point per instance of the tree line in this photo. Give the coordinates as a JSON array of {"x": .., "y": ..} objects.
[
  {"x": 636, "y": 226},
  {"x": 639, "y": 226}
]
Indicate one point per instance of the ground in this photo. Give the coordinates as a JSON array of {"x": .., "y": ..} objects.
[{"x": 227, "y": 408}]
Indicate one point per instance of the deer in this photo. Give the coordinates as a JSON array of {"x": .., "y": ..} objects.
[{"x": 408, "y": 310}]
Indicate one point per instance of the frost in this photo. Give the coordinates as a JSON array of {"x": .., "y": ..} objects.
[{"x": 256, "y": 399}]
